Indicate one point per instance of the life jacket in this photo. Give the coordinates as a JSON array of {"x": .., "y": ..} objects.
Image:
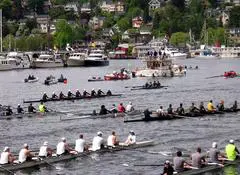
[
  {"x": 41, "y": 108},
  {"x": 210, "y": 107},
  {"x": 230, "y": 151},
  {"x": 121, "y": 108}
]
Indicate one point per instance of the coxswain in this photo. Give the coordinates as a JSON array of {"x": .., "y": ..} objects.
[
  {"x": 167, "y": 169},
  {"x": 160, "y": 111},
  {"x": 103, "y": 110},
  {"x": 64, "y": 148},
  {"x": 202, "y": 109},
  {"x": 25, "y": 154},
  {"x": 6, "y": 156},
  {"x": 85, "y": 93},
  {"x": 80, "y": 144},
  {"x": 231, "y": 151},
  {"x": 180, "y": 110},
  {"x": 77, "y": 94},
  {"x": 9, "y": 111},
  {"x": 131, "y": 139},
  {"x": 45, "y": 151},
  {"x": 70, "y": 94},
  {"x": 45, "y": 97},
  {"x": 54, "y": 96},
  {"x": 129, "y": 107},
  {"x": 147, "y": 114},
  {"x": 112, "y": 140},
  {"x": 179, "y": 163},
  {"x": 93, "y": 93},
  {"x": 146, "y": 85},
  {"x": 235, "y": 106},
  {"x": 193, "y": 109},
  {"x": 42, "y": 108},
  {"x": 20, "y": 109},
  {"x": 98, "y": 142},
  {"x": 198, "y": 159},
  {"x": 100, "y": 92},
  {"x": 214, "y": 154},
  {"x": 170, "y": 109},
  {"x": 220, "y": 106},
  {"x": 61, "y": 95},
  {"x": 210, "y": 106},
  {"x": 109, "y": 93},
  {"x": 114, "y": 109},
  {"x": 31, "y": 109},
  {"x": 121, "y": 108}
]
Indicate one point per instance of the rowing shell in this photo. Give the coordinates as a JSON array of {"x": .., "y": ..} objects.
[
  {"x": 71, "y": 99},
  {"x": 148, "y": 88},
  {"x": 21, "y": 115},
  {"x": 50, "y": 160}
]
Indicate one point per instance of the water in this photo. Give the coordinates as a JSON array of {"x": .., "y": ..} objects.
[{"x": 184, "y": 134}]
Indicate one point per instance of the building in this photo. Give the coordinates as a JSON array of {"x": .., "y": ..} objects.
[
  {"x": 137, "y": 22},
  {"x": 43, "y": 23},
  {"x": 96, "y": 22},
  {"x": 112, "y": 7},
  {"x": 154, "y": 4},
  {"x": 224, "y": 18},
  {"x": 72, "y": 7},
  {"x": 234, "y": 34},
  {"x": 85, "y": 8}
]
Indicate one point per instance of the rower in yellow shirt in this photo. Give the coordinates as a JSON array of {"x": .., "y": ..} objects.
[
  {"x": 210, "y": 106},
  {"x": 42, "y": 108}
]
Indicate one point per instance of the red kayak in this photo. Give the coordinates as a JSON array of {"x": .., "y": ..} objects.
[{"x": 230, "y": 74}]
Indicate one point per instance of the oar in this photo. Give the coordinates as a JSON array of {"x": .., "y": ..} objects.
[
  {"x": 133, "y": 86},
  {"x": 148, "y": 165},
  {"x": 57, "y": 168},
  {"x": 217, "y": 76},
  {"x": 5, "y": 169},
  {"x": 75, "y": 118}
]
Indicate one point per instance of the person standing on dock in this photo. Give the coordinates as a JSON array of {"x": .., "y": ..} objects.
[
  {"x": 231, "y": 151},
  {"x": 6, "y": 156}
]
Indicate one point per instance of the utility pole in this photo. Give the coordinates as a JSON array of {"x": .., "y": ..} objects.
[{"x": 1, "y": 30}]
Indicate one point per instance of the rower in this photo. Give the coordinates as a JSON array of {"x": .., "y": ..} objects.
[
  {"x": 78, "y": 94},
  {"x": 214, "y": 154},
  {"x": 160, "y": 111},
  {"x": 31, "y": 109},
  {"x": 131, "y": 138},
  {"x": 9, "y": 111},
  {"x": 112, "y": 140},
  {"x": 158, "y": 84},
  {"x": 180, "y": 110},
  {"x": 210, "y": 106},
  {"x": 154, "y": 84},
  {"x": 64, "y": 148},
  {"x": 54, "y": 96},
  {"x": 45, "y": 151},
  {"x": 45, "y": 97},
  {"x": 202, "y": 109},
  {"x": 114, "y": 109},
  {"x": 129, "y": 107},
  {"x": 42, "y": 108},
  {"x": 235, "y": 106},
  {"x": 6, "y": 156},
  {"x": 220, "y": 106},
  {"x": 146, "y": 85},
  {"x": 109, "y": 93},
  {"x": 85, "y": 93},
  {"x": 170, "y": 109},
  {"x": 121, "y": 108},
  {"x": 25, "y": 154},
  {"x": 20, "y": 109},
  {"x": 103, "y": 110},
  {"x": 98, "y": 142},
  {"x": 179, "y": 163},
  {"x": 231, "y": 151},
  {"x": 147, "y": 114},
  {"x": 80, "y": 144},
  {"x": 168, "y": 169},
  {"x": 70, "y": 94},
  {"x": 193, "y": 109},
  {"x": 100, "y": 92},
  {"x": 93, "y": 93},
  {"x": 150, "y": 85},
  {"x": 61, "y": 95},
  {"x": 198, "y": 159}
]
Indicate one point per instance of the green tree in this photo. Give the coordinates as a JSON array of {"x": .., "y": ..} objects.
[
  {"x": 124, "y": 24},
  {"x": 178, "y": 38},
  {"x": 180, "y": 4},
  {"x": 31, "y": 24},
  {"x": 17, "y": 9},
  {"x": 6, "y": 6},
  {"x": 36, "y": 5},
  {"x": 234, "y": 20},
  {"x": 57, "y": 12}
]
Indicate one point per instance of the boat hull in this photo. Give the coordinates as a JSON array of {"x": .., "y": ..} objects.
[
  {"x": 75, "y": 62},
  {"x": 89, "y": 63},
  {"x": 45, "y": 64}
]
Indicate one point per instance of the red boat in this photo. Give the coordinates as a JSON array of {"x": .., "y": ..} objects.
[
  {"x": 117, "y": 76},
  {"x": 230, "y": 74}
]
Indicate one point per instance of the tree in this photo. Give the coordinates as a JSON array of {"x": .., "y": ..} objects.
[
  {"x": 178, "y": 38},
  {"x": 216, "y": 35},
  {"x": 36, "y": 5},
  {"x": 234, "y": 19},
  {"x": 31, "y": 24},
  {"x": 6, "y": 6},
  {"x": 124, "y": 24},
  {"x": 180, "y": 4},
  {"x": 56, "y": 12},
  {"x": 17, "y": 9}
]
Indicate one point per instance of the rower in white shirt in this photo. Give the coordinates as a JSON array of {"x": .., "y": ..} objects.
[
  {"x": 160, "y": 111},
  {"x": 80, "y": 144},
  {"x": 131, "y": 138},
  {"x": 6, "y": 156},
  {"x": 25, "y": 154},
  {"x": 112, "y": 140},
  {"x": 98, "y": 142},
  {"x": 64, "y": 148},
  {"x": 45, "y": 151},
  {"x": 129, "y": 107}
]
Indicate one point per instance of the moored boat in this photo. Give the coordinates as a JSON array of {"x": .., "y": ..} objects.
[
  {"x": 77, "y": 59},
  {"x": 47, "y": 61},
  {"x": 97, "y": 58},
  {"x": 93, "y": 79}
]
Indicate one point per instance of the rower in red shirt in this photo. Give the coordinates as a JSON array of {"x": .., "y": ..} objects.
[{"x": 121, "y": 108}]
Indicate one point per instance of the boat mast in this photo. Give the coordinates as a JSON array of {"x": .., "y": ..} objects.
[{"x": 1, "y": 30}]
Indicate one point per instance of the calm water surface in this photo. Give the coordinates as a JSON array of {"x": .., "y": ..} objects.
[{"x": 184, "y": 134}]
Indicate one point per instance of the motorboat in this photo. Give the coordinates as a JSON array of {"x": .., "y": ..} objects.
[
  {"x": 31, "y": 79},
  {"x": 77, "y": 58},
  {"x": 174, "y": 53},
  {"x": 18, "y": 60},
  {"x": 97, "y": 58},
  {"x": 123, "y": 75},
  {"x": 47, "y": 61},
  {"x": 50, "y": 80},
  {"x": 5, "y": 64},
  {"x": 227, "y": 52}
]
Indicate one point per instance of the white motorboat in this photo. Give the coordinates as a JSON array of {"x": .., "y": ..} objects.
[
  {"x": 77, "y": 58},
  {"x": 27, "y": 80},
  {"x": 227, "y": 52},
  {"x": 5, "y": 64},
  {"x": 18, "y": 60},
  {"x": 47, "y": 61},
  {"x": 174, "y": 53},
  {"x": 97, "y": 58}
]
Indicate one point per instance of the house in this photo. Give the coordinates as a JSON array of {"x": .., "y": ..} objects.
[
  {"x": 224, "y": 18},
  {"x": 125, "y": 35},
  {"x": 43, "y": 23},
  {"x": 85, "y": 8},
  {"x": 154, "y": 4},
  {"x": 137, "y": 22},
  {"x": 107, "y": 33},
  {"x": 72, "y": 7},
  {"x": 96, "y": 22},
  {"x": 112, "y": 7},
  {"x": 234, "y": 34}
]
